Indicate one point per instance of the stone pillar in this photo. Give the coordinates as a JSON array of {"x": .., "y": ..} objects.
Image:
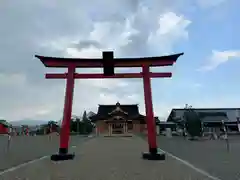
[
  {"x": 168, "y": 132},
  {"x": 126, "y": 128},
  {"x": 96, "y": 130},
  {"x": 157, "y": 129},
  {"x": 109, "y": 129}
]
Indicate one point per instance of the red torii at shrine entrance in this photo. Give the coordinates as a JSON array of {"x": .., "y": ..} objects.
[{"x": 108, "y": 63}]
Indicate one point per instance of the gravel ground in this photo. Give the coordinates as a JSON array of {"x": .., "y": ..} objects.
[
  {"x": 104, "y": 158},
  {"x": 209, "y": 155},
  {"x": 27, "y": 148}
]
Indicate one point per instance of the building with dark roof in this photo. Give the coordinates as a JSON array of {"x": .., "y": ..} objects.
[
  {"x": 119, "y": 119},
  {"x": 211, "y": 117},
  {"x": 4, "y": 126}
]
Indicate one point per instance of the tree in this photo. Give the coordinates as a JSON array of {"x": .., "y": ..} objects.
[
  {"x": 84, "y": 117},
  {"x": 87, "y": 125},
  {"x": 48, "y": 127},
  {"x": 78, "y": 125},
  {"x": 193, "y": 123},
  {"x": 82, "y": 127},
  {"x": 75, "y": 124},
  {"x": 52, "y": 125}
]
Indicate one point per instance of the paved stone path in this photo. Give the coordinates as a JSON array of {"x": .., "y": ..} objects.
[
  {"x": 105, "y": 158},
  {"x": 211, "y": 156},
  {"x": 26, "y": 148}
]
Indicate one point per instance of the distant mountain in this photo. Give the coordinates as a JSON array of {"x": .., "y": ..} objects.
[{"x": 28, "y": 122}]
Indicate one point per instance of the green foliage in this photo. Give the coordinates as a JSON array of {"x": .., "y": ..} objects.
[
  {"x": 82, "y": 127},
  {"x": 52, "y": 123},
  {"x": 84, "y": 118},
  {"x": 45, "y": 128},
  {"x": 40, "y": 131},
  {"x": 193, "y": 123}
]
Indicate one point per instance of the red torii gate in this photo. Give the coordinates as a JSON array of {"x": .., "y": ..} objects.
[{"x": 108, "y": 62}]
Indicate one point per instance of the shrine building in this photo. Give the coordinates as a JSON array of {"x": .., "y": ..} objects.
[{"x": 123, "y": 119}]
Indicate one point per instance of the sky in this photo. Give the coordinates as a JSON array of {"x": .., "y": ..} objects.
[{"x": 206, "y": 76}]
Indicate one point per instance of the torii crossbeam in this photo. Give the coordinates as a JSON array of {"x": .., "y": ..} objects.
[{"x": 108, "y": 63}]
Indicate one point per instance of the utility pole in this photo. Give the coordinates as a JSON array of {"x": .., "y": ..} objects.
[
  {"x": 226, "y": 135},
  {"x": 78, "y": 124}
]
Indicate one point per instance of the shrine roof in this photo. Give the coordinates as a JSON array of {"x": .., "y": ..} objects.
[
  {"x": 130, "y": 109},
  {"x": 118, "y": 62},
  {"x": 106, "y": 111}
]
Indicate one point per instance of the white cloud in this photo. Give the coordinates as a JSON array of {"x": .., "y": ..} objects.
[
  {"x": 77, "y": 29},
  {"x": 90, "y": 52},
  {"x": 113, "y": 34},
  {"x": 172, "y": 28},
  {"x": 219, "y": 57}
]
